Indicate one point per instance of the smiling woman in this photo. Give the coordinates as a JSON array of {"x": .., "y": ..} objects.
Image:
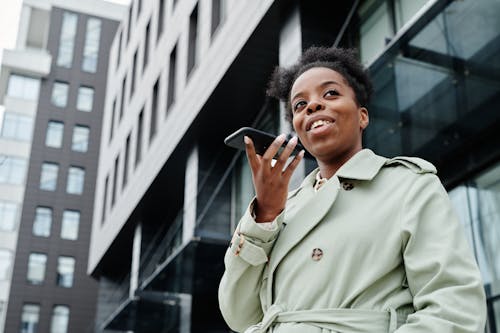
[{"x": 365, "y": 244}]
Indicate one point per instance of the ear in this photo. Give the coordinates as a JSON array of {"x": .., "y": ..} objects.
[{"x": 364, "y": 118}]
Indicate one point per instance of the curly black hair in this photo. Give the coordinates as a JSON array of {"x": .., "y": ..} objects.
[{"x": 343, "y": 61}]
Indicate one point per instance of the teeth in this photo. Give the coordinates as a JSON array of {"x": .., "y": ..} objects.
[{"x": 319, "y": 123}]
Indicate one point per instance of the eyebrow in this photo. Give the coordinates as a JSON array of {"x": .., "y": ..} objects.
[{"x": 323, "y": 84}]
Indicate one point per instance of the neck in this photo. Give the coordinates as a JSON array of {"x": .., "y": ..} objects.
[{"x": 327, "y": 168}]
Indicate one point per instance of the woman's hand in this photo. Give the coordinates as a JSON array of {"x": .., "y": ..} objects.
[{"x": 271, "y": 182}]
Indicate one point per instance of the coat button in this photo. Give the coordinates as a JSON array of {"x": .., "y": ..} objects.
[
  {"x": 317, "y": 254},
  {"x": 347, "y": 186}
]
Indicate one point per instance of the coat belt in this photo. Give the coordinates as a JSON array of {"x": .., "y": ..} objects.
[{"x": 340, "y": 320}]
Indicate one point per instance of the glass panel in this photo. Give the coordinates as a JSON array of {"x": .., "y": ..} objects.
[
  {"x": 48, "y": 178},
  {"x": 60, "y": 94},
  {"x": 80, "y": 140},
  {"x": 43, "y": 221},
  {"x": 23, "y": 87},
  {"x": 60, "y": 319},
  {"x": 67, "y": 40},
  {"x": 76, "y": 179},
  {"x": 36, "y": 268},
  {"x": 375, "y": 29},
  {"x": 65, "y": 270},
  {"x": 70, "y": 224},
  {"x": 29, "y": 318},
  {"x": 54, "y": 137},
  {"x": 5, "y": 264},
  {"x": 405, "y": 10},
  {"x": 85, "y": 99},
  {"x": 17, "y": 126},
  {"x": 91, "y": 48},
  {"x": 8, "y": 216},
  {"x": 12, "y": 170}
]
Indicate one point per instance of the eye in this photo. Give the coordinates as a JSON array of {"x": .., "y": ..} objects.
[
  {"x": 332, "y": 92},
  {"x": 299, "y": 105}
]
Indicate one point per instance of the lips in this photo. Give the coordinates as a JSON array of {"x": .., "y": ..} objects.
[{"x": 318, "y": 121}]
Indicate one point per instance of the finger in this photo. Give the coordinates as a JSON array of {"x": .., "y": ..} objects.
[
  {"x": 293, "y": 164},
  {"x": 251, "y": 154},
  {"x": 274, "y": 148},
  {"x": 287, "y": 151}
]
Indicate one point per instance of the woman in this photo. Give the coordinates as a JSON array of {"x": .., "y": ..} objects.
[{"x": 365, "y": 244}]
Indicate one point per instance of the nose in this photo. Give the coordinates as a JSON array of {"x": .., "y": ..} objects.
[{"x": 314, "y": 106}]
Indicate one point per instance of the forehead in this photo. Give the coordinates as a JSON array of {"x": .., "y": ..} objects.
[{"x": 315, "y": 77}]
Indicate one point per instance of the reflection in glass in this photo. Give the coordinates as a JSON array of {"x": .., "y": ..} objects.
[
  {"x": 70, "y": 223},
  {"x": 12, "y": 170},
  {"x": 67, "y": 40},
  {"x": 60, "y": 94},
  {"x": 76, "y": 179},
  {"x": 91, "y": 47},
  {"x": 16, "y": 126},
  {"x": 29, "y": 318},
  {"x": 43, "y": 221},
  {"x": 60, "y": 319},
  {"x": 85, "y": 99},
  {"x": 80, "y": 141},
  {"x": 48, "y": 177},
  {"x": 36, "y": 268},
  {"x": 5, "y": 264},
  {"x": 23, "y": 87},
  {"x": 8, "y": 216},
  {"x": 54, "y": 136},
  {"x": 65, "y": 271}
]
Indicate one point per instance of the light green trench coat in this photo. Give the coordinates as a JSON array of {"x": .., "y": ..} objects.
[{"x": 393, "y": 258}]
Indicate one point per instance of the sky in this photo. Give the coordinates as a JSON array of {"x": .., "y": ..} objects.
[{"x": 10, "y": 11}]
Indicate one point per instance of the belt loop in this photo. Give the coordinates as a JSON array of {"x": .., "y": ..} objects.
[{"x": 393, "y": 320}]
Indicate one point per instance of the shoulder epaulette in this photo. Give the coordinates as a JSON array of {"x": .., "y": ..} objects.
[{"x": 415, "y": 164}]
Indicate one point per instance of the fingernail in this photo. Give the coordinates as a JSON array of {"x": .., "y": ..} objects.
[
  {"x": 246, "y": 139},
  {"x": 302, "y": 152},
  {"x": 282, "y": 136},
  {"x": 293, "y": 140}
]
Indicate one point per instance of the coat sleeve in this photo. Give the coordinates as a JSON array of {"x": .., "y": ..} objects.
[
  {"x": 245, "y": 262},
  {"x": 442, "y": 274}
]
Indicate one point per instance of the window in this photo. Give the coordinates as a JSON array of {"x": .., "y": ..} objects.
[
  {"x": 65, "y": 271},
  {"x": 12, "y": 170},
  {"x": 80, "y": 141},
  {"x": 105, "y": 200},
  {"x": 112, "y": 122},
  {"x": 146, "y": 45},
  {"x": 85, "y": 99},
  {"x": 29, "y": 318},
  {"x": 36, "y": 268},
  {"x": 133, "y": 78},
  {"x": 70, "y": 224},
  {"x": 54, "y": 136},
  {"x": 5, "y": 264},
  {"x": 217, "y": 15},
  {"x": 126, "y": 161},
  {"x": 60, "y": 94},
  {"x": 60, "y": 319},
  {"x": 17, "y": 126},
  {"x": 115, "y": 181},
  {"x": 43, "y": 221},
  {"x": 122, "y": 104},
  {"x": 171, "y": 78},
  {"x": 138, "y": 142},
  {"x": 48, "y": 178},
  {"x": 129, "y": 23},
  {"x": 91, "y": 47},
  {"x": 154, "y": 111},
  {"x": 23, "y": 87},
  {"x": 193, "y": 39},
  {"x": 67, "y": 40},
  {"x": 8, "y": 216},
  {"x": 76, "y": 180},
  {"x": 161, "y": 17}
]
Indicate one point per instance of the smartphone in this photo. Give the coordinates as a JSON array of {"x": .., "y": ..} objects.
[{"x": 261, "y": 140}]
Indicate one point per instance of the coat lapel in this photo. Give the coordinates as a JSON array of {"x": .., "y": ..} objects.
[{"x": 306, "y": 210}]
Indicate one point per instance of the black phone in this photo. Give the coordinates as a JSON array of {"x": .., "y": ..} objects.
[{"x": 261, "y": 140}]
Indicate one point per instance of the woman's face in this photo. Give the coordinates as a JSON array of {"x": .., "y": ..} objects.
[{"x": 326, "y": 116}]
